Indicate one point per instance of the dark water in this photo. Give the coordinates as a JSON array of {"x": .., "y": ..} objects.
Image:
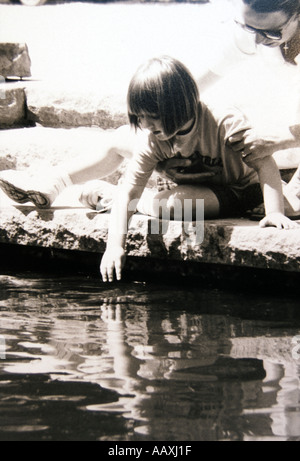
[{"x": 145, "y": 362}]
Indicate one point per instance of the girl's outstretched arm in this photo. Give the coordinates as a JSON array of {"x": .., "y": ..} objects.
[{"x": 124, "y": 207}]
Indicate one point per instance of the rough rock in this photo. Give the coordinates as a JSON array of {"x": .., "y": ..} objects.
[
  {"x": 69, "y": 226},
  {"x": 12, "y": 106},
  {"x": 74, "y": 107},
  {"x": 14, "y": 60}
]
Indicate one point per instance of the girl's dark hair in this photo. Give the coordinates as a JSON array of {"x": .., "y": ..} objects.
[
  {"x": 289, "y": 7},
  {"x": 164, "y": 87}
]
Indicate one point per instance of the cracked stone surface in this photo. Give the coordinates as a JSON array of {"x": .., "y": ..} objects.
[
  {"x": 66, "y": 108},
  {"x": 69, "y": 226}
]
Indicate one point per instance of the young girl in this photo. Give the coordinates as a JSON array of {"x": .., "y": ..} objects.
[{"x": 163, "y": 100}]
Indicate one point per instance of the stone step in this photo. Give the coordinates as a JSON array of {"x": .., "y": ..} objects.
[
  {"x": 73, "y": 106},
  {"x": 27, "y": 102},
  {"x": 69, "y": 226}
]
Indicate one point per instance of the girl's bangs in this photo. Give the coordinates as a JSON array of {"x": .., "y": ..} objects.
[{"x": 142, "y": 100}]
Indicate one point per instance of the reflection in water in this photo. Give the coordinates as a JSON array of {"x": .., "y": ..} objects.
[{"x": 140, "y": 361}]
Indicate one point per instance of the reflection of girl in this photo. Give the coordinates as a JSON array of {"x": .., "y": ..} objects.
[{"x": 163, "y": 99}]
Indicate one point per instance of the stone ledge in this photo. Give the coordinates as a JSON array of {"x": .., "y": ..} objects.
[{"x": 238, "y": 243}]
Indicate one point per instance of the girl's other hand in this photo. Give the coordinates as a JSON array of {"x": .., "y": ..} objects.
[
  {"x": 278, "y": 220},
  {"x": 112, "y": 264}
]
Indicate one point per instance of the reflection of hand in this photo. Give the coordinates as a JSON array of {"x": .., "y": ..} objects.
[
  {"x": 112, "y": 263},
  {"x": 111, "y": 313},
  {"x": 180, "y": 171},
  {"x": 278, "y": 220}
]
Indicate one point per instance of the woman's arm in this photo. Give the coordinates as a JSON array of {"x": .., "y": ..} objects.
[
  {"x": 124, "y": 207},
  {"x": 253, "y": 147}
]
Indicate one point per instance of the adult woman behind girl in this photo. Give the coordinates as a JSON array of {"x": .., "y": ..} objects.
[
  {"x": 265, "y": 28},
  {"x": 271, "y": 29},
  {"x": 276, "y": 24}
]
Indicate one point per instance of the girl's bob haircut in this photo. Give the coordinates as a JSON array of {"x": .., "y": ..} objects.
[{"x": 165, "y": 88}]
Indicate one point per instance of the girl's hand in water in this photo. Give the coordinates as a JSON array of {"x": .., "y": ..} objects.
[
  {"x": 112, "y": 264},
  {"x": 278, "y": 220}
]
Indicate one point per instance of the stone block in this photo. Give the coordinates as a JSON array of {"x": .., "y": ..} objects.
[
  {"x": 59, "y": 107},
  {"x": 229, "y": 242},
  {"x": 14, "y": 60},
  {"x": 12, "y": 106}
]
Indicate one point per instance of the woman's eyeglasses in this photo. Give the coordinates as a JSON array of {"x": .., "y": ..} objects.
[{"x": 270, "y": 34}]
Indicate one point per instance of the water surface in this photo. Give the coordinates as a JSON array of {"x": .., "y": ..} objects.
[{"x": 81, "y": 360}]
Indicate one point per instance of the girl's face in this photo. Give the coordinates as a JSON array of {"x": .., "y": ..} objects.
[
  {"x": 270, "y": 29},
  {"x": 153, "y": 123}
]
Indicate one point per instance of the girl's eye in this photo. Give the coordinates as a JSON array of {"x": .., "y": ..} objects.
[{"x": 151, "y": 116}]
